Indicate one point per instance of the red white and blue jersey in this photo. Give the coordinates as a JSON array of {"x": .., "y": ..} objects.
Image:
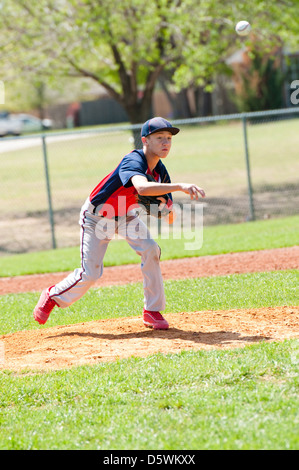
[{"x": 115, "y": 194}]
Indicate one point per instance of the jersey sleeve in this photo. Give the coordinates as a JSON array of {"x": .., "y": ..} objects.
[{"x": 131, "y": 165}]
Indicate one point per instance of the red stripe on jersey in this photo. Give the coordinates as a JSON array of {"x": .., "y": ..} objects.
[{"x": 100, "y": 185}]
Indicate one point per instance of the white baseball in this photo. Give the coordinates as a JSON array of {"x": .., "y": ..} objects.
[{"x": 243, "y": 28}]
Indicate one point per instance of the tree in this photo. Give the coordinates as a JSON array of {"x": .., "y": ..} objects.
[
  {"x": 125, "y": 45},
  {"x": 261, "y": 86}
]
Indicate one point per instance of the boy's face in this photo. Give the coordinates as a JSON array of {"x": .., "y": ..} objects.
[{"x": 158, "y": 144}]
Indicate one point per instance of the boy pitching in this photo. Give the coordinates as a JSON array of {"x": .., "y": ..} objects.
[{"x": 111, "y": 208}]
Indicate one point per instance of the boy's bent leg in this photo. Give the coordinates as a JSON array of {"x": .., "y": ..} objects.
[{"x": 76, "y": 284}]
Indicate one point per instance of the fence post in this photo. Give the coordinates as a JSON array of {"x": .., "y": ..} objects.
[
  {"x": 250, "y": 192},
  {"x": 51, "y": 218}
]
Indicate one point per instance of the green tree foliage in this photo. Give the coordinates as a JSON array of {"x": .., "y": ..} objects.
[
  {"x": 262, "y": 85},
  {"x": 125, "y": 45}
]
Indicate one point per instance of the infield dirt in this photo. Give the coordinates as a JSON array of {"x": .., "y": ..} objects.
[{"x": 51, "y": 348}]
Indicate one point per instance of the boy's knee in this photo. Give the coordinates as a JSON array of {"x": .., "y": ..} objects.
[
  {"x": 153, "y": 249},
  {"x": 93, "y": 274}
]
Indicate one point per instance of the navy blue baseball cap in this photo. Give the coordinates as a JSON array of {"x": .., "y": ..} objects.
[{"x": 157, "y": 124}]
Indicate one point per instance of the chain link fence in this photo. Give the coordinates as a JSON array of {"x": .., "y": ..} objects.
[{"x": 247, "y": 163}]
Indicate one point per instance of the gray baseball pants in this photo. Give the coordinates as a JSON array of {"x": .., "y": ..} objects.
[{"x": 96, "y": 233}]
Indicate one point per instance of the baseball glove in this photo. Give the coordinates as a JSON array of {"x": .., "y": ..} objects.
[{"x": 151, "y": 204}]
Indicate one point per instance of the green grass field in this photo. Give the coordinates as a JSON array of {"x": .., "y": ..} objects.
[
  {"x": 221, "y": 239},
  {"x": 211, "y": 293},
  {"x": 241, "y": 399},
  {"x": 210, "y": 155},
  {"x": 235, "y": 399}
]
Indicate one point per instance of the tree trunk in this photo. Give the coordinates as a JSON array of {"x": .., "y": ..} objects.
[{"x": 138, "y": 113}]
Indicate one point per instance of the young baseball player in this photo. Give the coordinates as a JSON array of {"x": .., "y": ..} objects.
[{"x": 111, "y": 208}]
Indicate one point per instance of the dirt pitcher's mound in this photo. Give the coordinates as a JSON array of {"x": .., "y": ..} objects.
[{"x": 108, "y": 340}]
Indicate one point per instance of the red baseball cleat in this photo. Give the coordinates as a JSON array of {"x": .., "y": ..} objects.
[
  {"x": 44, "y": 307},
  {"x": 154, "y": 320}
]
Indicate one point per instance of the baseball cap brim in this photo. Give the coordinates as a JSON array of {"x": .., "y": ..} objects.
[
  {"x": 172, "y": 130},
  {"x": 158, "y": 124}
]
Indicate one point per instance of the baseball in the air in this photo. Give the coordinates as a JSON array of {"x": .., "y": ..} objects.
[{"x": 243, "y": 28}]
